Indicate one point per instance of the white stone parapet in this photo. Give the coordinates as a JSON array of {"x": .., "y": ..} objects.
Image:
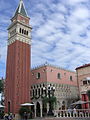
[
  {"x": 19, "y": 38},
  {"x": 80, "y": 113}
]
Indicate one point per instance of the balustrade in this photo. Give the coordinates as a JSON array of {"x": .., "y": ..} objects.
[{"x": 80, "y": 113}]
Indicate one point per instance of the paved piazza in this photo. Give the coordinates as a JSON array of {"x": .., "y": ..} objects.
[{"x": 62, "y": 119}]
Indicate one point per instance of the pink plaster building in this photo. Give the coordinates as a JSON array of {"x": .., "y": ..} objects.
[
  {"x": 63, "y": 81},
  {"x": 83, "y": 77}
]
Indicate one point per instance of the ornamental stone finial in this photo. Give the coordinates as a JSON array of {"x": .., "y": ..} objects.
[{"x": 21, "y": 1}]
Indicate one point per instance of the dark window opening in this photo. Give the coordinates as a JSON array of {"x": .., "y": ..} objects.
[
  {"x": 30, "y": 92},
  {"x": 20, "y": 30},
  {"x": 33, "y": 93},
  {"x": 89, "y": 81},
  {"x": 84, "y": 82},
  {"x": 36, "y": 91},
  {"x": 58, "y": 76},
  {"x": 42, "y": 91},
  {"x": 38, "y": 76},
  {"x": 71, "y": 78},
  {"x": 8, "y": 106},
  {"x": 27, "y": 32},
  {"x": 39, "y": 92}
]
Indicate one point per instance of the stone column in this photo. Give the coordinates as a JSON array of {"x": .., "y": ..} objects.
[
  {"x": 40, "y": 90},
  {"x": 47, "y": 107},
  {"x": 41, "y": 109},
  {"x": 35, "y": 110}
]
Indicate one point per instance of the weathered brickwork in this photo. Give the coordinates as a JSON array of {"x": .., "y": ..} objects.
[{"x": 17, "y": 84}]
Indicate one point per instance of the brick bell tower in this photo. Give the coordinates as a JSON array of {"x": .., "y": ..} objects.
[{"x": 17, "y": 85}]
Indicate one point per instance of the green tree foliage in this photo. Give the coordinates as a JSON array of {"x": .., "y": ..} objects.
[
  {"x": 88, "y": 94},
  {"x": 1, "y": 115},
  {"x": 23, "y": 110},
  {"x": 51, "y": 100},
  {"x": 1, "y": 86}
]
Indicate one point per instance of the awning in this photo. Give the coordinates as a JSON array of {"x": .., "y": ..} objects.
[
  {"x": 87, "y": 78},
  {"x": 27, "y": 104},
  {"x": 1, "y": 106},
  {"x": 79, "y": 102}
]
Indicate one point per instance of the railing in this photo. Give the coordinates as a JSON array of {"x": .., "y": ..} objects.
[{"x": 79, "y": 113}]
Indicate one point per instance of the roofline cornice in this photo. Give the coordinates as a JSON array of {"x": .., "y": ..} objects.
[
  {"x": 20, "y": 15},
  {"x": 83, "y": 66},
  {"x": 49, "y": 65},
  {"x": 29, "y": 26}
]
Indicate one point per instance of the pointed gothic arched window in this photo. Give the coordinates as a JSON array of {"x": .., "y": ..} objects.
[
  {"x": 27, "y": 32},
  {"x": 20, "y": 30},
  {"x": 59, "y": 76}
]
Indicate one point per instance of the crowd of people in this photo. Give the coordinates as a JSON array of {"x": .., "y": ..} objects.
[
  {"x": 9, "y": 116},
  {"x": 28, "y": 115}
]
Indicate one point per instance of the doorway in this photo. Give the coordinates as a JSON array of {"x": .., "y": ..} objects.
[{"x": 38, "y": 109}]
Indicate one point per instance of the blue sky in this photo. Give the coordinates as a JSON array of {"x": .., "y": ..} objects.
[{"x": 60, "y": 35}]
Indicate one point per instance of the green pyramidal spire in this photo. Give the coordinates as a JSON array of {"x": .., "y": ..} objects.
[{"x": 21, "y": 9}]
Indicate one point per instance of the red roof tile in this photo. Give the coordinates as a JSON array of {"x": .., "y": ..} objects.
[{"x": 86, "y": 65}]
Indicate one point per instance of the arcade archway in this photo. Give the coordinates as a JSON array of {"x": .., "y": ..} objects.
[{"x": 38, "y": 109}]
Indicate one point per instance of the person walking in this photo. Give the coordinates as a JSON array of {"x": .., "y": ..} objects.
[
  {"x": 10, "y": 116},
  {"x": 25, "y": 115},
  {"x": 6, "y": 117},
  {"x": 75, "y": 112}
]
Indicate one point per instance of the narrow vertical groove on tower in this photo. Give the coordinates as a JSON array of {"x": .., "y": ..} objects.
[{"x": 17, "y": 85}]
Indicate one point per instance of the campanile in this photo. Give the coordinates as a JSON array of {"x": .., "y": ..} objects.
[{"x": 17, "y": 85}]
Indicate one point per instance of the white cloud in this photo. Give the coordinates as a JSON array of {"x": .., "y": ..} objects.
[
  {"x": 76, "y": 1},
  {"x": 51, "y": 32},
  {"x": 81, "y": 13}
]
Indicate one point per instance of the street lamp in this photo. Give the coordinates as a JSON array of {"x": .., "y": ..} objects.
[{"x": 49, "y": 92}]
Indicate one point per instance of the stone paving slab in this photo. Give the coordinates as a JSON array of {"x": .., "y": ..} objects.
[
  {"x": 71, "y": 119},
  {"x": 61, "y": 119},
  {"x": 58, "y": 119}
]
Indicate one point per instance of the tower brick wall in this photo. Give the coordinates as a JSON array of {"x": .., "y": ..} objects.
[
  {"x": 17, "y": 76},
  {"x": 18, "y": 80}
]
